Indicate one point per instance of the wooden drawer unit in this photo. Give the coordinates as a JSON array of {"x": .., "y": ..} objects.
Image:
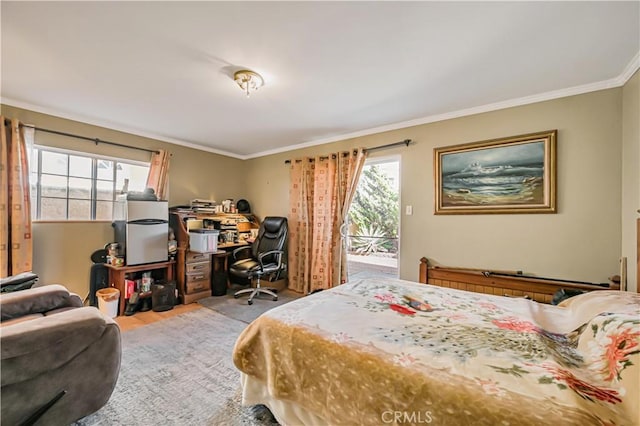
[
  {"x": 196, "y": 283},
  {"x": 192, "y": 257},
  {"x": 196, "y": 276},
  {"x": 199, "y": 267}
]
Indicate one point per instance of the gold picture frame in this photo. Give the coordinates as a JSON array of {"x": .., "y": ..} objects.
[{"x": 516, "y": 174}]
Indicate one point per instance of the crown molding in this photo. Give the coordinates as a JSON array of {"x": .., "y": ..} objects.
[
  {"x": 630, "y": 70},
  {"x": 113, "y": 126},
  {"x": 618, "y": 81}
]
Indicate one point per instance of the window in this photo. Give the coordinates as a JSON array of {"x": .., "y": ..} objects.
[{"x": 67, "y": 185}]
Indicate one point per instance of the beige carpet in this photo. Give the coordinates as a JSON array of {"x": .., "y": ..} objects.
[{"x": 180, "y": 372}]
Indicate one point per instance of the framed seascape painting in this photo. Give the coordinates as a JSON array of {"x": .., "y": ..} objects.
[{"x": 509, "y": 175}]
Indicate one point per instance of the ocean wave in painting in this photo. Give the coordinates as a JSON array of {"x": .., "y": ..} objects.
[{"x": 494, "y": 185}]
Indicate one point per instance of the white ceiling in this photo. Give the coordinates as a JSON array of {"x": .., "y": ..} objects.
[{"x": 332, "y": 69}]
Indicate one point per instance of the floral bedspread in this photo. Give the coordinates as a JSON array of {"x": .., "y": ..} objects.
[{"x": 397, "y": 352}]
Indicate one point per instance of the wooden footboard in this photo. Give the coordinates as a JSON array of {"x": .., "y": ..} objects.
[{"x": 500, "y": 282}]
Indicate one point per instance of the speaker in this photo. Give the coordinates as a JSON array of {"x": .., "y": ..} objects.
[{"x": 99, "y": 279}]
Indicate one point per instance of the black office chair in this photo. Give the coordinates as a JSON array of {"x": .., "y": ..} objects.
[{"x": 267, "y": 253}]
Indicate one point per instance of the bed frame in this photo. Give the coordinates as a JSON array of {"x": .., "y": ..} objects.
[{"x": 502, "y": 283}]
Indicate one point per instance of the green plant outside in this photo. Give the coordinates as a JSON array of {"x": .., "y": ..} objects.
[{"x": 374, "y": 214}]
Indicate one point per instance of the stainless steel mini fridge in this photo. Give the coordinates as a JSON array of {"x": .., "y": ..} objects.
[{"x": 142, "y": 230}]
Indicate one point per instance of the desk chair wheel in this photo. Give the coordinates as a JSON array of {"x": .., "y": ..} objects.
[
  {"x": 250, "y": 302},
  {"x": 275, "y": 299}
]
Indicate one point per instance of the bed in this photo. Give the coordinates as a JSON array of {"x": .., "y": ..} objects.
[{"x": 396, "y": 352}]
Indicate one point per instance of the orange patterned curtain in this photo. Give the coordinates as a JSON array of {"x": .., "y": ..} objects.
[
  {"x": 325, "y": 210},
  {"x": 320, "y": 194},
  {"x": 349, "y": 169},
  {"x": 300, "y": 213},
  {"x": 158, "y": 178},
  {"x": 16, "y": 244}
]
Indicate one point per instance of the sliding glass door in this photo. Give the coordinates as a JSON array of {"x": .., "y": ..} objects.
[{"x": 374, "y": 221}]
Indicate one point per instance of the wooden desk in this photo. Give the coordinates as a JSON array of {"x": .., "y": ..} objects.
[
  {"x": 177, "y": 221},
  {"x": 226, "y": 246},
  {"x": 117, "y": 275},
  {"x": 222, "y": 256}
]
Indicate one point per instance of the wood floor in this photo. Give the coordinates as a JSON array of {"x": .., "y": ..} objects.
[{"x": 139, "y": 319}]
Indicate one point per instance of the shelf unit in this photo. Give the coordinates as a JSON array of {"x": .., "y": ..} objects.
[{"x": 118, "y": 274}]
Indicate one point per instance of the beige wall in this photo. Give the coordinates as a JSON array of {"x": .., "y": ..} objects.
[
  {"x": 581, "y": 242},
  {"x": 631, "y": 175},
  {"x": 62, "y": 250}
]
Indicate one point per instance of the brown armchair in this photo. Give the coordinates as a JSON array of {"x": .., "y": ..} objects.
[{"x": 59, "y": 360}]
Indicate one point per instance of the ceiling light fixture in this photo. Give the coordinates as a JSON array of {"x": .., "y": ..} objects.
[{"x": 248, "y": 81}]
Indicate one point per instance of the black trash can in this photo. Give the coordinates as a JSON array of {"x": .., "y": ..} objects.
[
  {"x": 163, "y": 296},
  {"x": 218, "y": 283}
]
